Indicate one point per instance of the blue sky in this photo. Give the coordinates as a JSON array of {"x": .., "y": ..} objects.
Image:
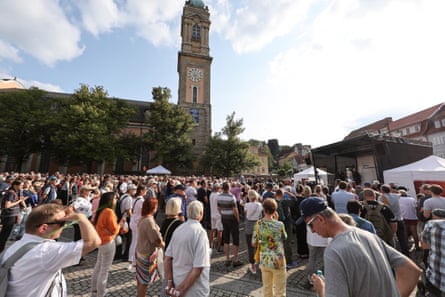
[{"x": 300, "y": 71}]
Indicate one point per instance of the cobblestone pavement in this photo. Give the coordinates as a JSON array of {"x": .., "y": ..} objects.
[{"x": 224, "y": 281}]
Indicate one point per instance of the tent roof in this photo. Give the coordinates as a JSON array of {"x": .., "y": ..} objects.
[
  {"x": 431, "y": 163},
  {"x": 158, "y": 170},
  {"x": 310, "y": 171}
]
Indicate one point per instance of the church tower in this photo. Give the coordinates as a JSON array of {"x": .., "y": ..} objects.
[{"x": 194, "y": 71}]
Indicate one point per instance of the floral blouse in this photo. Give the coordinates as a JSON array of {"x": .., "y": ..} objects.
[{"x": 271, "y": 234}]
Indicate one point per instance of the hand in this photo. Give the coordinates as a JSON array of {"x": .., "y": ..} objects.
[
  {"x": 319, "y": 284},
  {"x": 71, "y": 215}
]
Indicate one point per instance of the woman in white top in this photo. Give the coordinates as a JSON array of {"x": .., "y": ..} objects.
[
  {"x": 135, "y": 218},
  {"x": 253, "y": 210}
]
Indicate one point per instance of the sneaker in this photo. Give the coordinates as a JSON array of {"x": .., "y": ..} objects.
[
  {"x": 237, "y": 263},
  {"x": 252, "y": 269},
  {"x": 291, "y": 265},
  {"x": 131, "y": 268}
]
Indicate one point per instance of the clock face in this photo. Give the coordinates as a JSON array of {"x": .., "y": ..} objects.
[{"x": 195, "y": 74}]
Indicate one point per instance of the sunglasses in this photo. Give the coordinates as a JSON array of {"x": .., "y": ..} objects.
[
  {"x": 309, "y": 223},
  {"x": 60, "y": 223}
]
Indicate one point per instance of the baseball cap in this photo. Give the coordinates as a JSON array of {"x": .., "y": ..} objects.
[
  {"x": 52, "y": 177},
  {"x": 179, "y": 187},
  {"x": 438, "y": 212},
  {"x": 131, "y": 187},
  {"x": 309, "y": 207}
]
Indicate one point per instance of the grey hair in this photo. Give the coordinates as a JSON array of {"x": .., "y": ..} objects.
[
  {"x": 327, "y": 213},
  {"x": 194, "y": 210}
]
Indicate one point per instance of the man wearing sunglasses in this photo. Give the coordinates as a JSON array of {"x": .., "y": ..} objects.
[
  {"x": 39, "y": 271},
  {"x": 357, "y": 263}
]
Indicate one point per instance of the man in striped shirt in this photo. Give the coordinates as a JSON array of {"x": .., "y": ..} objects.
[{"x": 230, "y": 219}]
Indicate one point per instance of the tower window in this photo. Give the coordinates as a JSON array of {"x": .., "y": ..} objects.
[
  {"x": 194, "y": 94},
  {"x": 193, "y": 141},
  {"x": 196, "y": 32}
]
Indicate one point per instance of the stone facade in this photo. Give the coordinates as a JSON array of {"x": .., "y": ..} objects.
[{"x": 194, "y": 63}]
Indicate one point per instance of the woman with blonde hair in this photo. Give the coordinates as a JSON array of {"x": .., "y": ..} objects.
[
  {"x": 253, "y": 210},
  {"x": 136, "y": 213}
]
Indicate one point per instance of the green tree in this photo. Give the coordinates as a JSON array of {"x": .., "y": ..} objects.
[
  {"x": 169, "y": 127},
  {"x": 264, "y": 148},
  {"x": 89, "y": 127},
  {"x": 23, "y": 123},
  {"x": 284, "y": 169},
  {"x": 225, "y": 153}
]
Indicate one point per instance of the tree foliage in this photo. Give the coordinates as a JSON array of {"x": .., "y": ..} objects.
[
  {"x": 284, "y": 169},
  {"x": 89, "y": 126},
  {"x": 225, "y": 153},
  {"x": 23, "y": 123},
  {"x": 169, "y": 127}
]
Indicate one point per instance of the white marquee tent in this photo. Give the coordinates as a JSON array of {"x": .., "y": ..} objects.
[
  {"x": 309, "y": 174},
  {"x": 430, "y": 169},
  {"x": 159, "y": 170}
]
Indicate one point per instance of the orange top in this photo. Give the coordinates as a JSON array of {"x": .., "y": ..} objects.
[{"x": 107, "y": 226}]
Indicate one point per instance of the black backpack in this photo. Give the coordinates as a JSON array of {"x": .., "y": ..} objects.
[{"x": 117, "y": 210}]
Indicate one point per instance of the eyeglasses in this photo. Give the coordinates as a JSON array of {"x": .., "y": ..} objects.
[
  {"x": 309, "y": 223},
  {"x": 60, "y": 223}
]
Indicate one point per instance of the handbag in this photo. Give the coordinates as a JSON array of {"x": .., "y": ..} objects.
[
  {"x": 160, "y": 260},
  {"x": 258, "y": 246},
  {"x": 118, "y": 240},
  {"x": 124, "y": 228}
]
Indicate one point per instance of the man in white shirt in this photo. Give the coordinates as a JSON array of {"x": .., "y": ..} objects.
[
  {"x": 187, "y": 258},
  {"x": 40, "y": 269},
  {"x": 215, "y": 218}
]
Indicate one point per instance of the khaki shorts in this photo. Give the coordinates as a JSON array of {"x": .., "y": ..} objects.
[{"x": 217, "y": 224}]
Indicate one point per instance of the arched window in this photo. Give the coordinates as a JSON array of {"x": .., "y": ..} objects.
[
  {"x": 194, "y": 94},
  {"x": 196, "y": 32}
]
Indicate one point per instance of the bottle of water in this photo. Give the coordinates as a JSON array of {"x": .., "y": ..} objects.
[{"x": 319, "y": 273}]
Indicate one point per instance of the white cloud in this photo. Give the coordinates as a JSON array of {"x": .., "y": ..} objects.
[
  {"x": 258, "y": 23},
  {"x": 41, "y": 85},
  {"x": 99, "y": 16},
  {"x": 40, "y": 29},
  {"x": 152, "y": 20},
  {"x": 361, "y": 61},
  {"x": 7, "y": 51}
]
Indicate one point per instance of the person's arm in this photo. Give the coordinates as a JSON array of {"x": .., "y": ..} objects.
[
  {"x": 426, "y": 213},
  {"x": 9, "y": 203},
  {"x": 393, "y": 226},
  {"x": 168, "y": 272},
  {"x": 91, "y": 239},
  {"x": 407, "y": 277},
  {"x": 236, "y": 213},
  {"x": 189, "y": 280}
]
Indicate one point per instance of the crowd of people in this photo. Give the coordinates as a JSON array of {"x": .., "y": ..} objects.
[{"x": 361, "y": 236}]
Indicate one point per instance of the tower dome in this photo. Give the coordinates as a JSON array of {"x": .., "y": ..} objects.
[
  {"x": 197, "y": 3},
  {"x": 10, "y": 83}
]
